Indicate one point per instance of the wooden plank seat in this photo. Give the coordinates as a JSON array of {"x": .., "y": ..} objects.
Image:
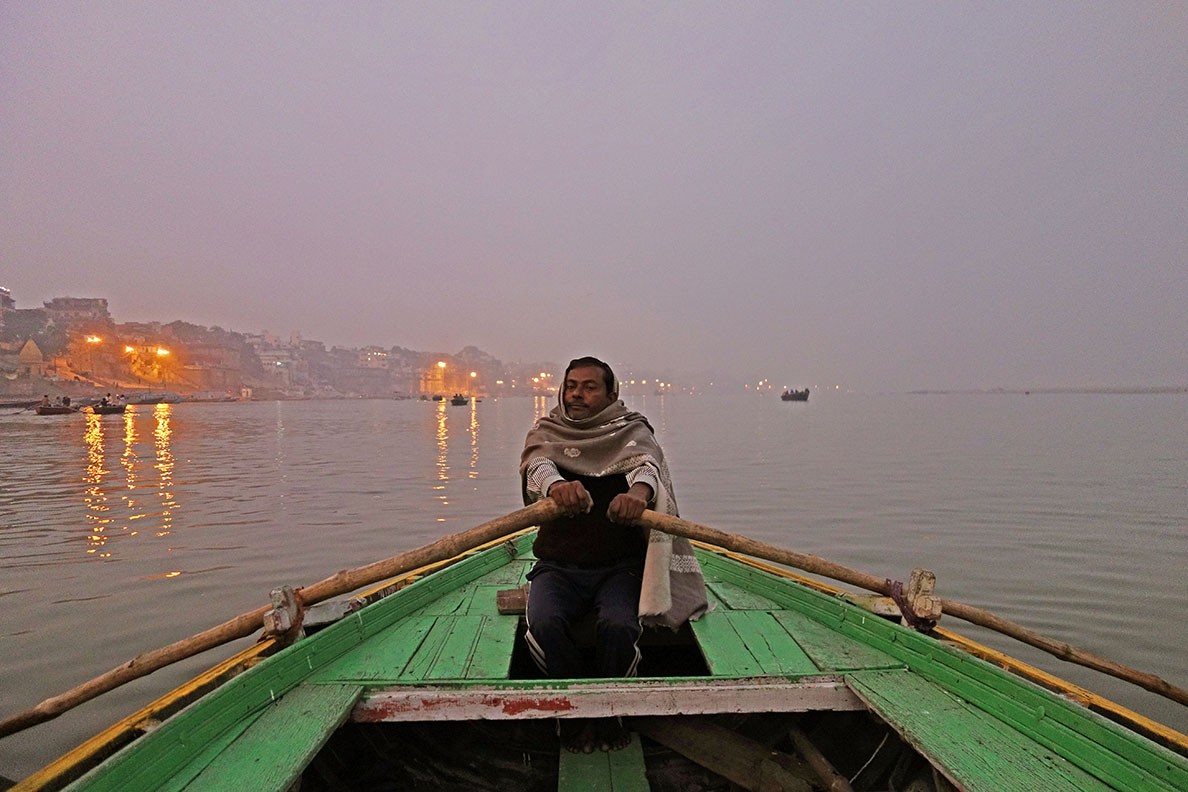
[
  {"x": 602, "y": 699},
  {"x": 750, "y": 643},
  {"x": 779, "y": 643},
  {"x": 431, "y": 648}
]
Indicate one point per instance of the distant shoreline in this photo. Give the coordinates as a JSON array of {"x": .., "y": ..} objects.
[{"x": 1103, "y": 391}]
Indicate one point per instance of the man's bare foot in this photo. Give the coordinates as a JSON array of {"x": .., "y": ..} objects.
[
  {"x": 611, "y": 736},
  {"x": 578, "y": 735}
]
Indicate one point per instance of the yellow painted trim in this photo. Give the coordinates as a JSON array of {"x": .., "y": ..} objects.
[{"x": 50, "y": 776}]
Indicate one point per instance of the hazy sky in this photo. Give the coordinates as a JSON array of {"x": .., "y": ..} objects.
[{"x": 882, "y": 195}]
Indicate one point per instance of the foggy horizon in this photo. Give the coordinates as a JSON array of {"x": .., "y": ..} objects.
[
  {"x": 881, "y": 197},
  {"x": 679, "y": 377}
]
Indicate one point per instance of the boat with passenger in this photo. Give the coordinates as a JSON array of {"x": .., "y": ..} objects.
[
  {"x": 108, "y": 405},
  {"x": 59, "y": 406},
  {"x": 795, "y": 395},
  {"x": 458, "y": 400},
  {"x": 424, "y": 681}
]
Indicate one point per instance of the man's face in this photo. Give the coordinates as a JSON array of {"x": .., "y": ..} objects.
[{"x": 585, "y": 392}]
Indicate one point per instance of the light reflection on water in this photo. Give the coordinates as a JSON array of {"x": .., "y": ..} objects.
[
  {"x": 125, "y": 533},
  {"x": 443, "y": 455},
  {"x": 473, "y": 430},
  {"x": 162, "y": 438},
  {"x": 94, "y": 496},
  {"x": 116, "y": 497}
]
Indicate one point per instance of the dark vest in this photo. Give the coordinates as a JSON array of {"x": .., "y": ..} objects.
[{"x": 591, "y": 540}]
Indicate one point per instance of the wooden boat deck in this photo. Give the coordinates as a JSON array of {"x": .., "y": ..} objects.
[{"x": 441, "y": 651}]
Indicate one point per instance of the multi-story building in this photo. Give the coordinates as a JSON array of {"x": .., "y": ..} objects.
[
  {"x": 373, "y": 357},
  {"x": 68, "y": 311},
  {"x": 279, "y": 365}
]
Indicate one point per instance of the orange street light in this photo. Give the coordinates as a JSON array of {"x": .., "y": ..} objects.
[
  {"x": 162, "y": 352},
  {"x": 92, "y": 340},
  {"x": 441, "y": 364}
]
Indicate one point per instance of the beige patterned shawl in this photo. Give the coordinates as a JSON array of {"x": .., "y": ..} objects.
[{"x": 616, "y": 441}]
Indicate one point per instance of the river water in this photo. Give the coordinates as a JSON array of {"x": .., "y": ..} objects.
[{"x": 120, "y": 534}]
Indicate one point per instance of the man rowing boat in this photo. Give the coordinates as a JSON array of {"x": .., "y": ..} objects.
[{"x": 602, "y": 464}]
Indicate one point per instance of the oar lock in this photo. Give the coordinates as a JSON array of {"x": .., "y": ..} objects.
[
  {"x": 920, "y": 608},
  {"x": 284, "y": 622}
]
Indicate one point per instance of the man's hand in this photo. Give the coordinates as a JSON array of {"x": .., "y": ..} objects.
[
  {"x": 571, "y": 496},
  {"x": 628, "y": 506}
]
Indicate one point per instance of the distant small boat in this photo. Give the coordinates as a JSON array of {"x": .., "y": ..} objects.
[
  {"x": 108, "y": 409},
  {"x": 796, "y": 395},
  {"x": 54, "y": 409},
  {"x": 458, "y": 400},
  {"x": 156, "y": 398}
]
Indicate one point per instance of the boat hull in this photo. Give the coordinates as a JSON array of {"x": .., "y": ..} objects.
[
  {"x": 432, "y": 663},
  {"x": 54, "y": 410}
]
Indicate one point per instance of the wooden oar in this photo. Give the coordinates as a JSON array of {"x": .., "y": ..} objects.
[
  {"x": 542, "y": 511},
  {"x": 245, "y": 624},
  {"x": 970, "y": 613}
]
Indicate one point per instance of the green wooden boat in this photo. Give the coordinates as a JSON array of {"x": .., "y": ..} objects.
[{"x": 785, "y": 684}]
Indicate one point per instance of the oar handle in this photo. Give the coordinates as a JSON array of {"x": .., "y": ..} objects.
[{"x": 741, "y": 544}]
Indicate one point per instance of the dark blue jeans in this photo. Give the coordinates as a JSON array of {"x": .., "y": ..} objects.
[{"x": 561, "y": 595}]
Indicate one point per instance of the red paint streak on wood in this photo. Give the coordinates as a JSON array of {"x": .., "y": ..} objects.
[
  {"x": 510, "y": 706},
  {"x": 518, "y": 706},
  {"x": 390, "y": 710}
]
